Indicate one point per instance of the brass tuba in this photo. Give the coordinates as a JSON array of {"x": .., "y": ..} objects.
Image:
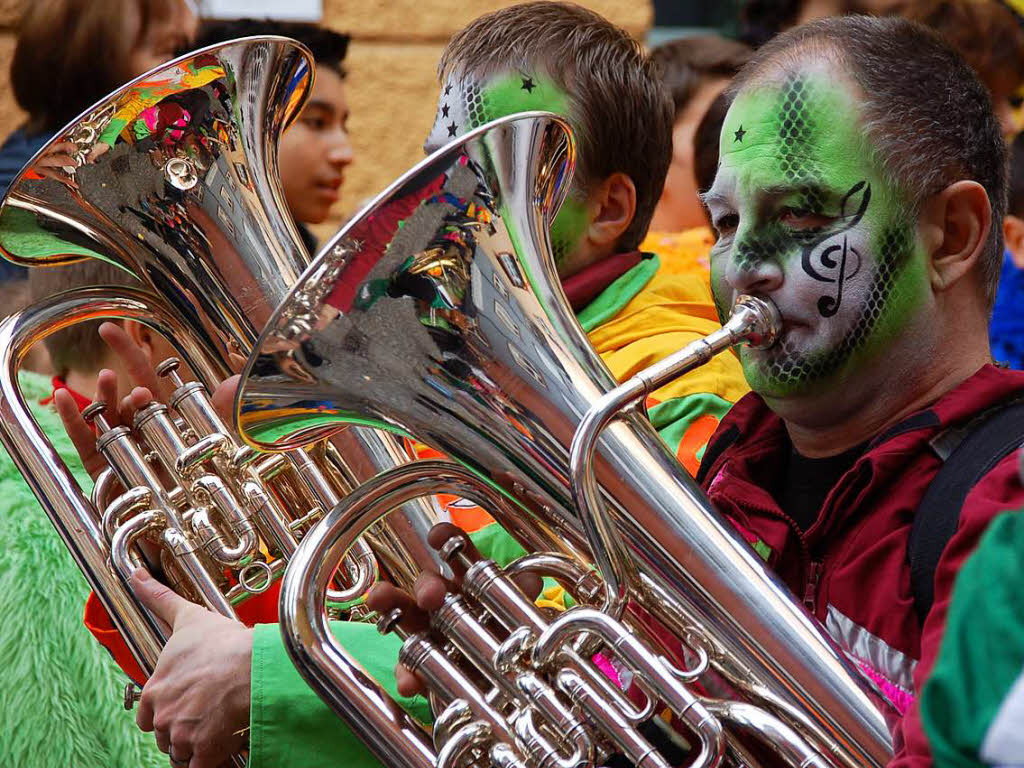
[
  {"x": 173, "y": 178},
  {"x": 438, "y": 313}
]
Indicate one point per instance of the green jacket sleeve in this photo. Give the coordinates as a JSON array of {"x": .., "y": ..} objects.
[
  {"x": 972, "y": 705},
  {"x": 687, "y": 423},
  {"x": 290, "y": 725}
]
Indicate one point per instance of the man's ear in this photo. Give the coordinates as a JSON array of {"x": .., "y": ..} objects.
[
  {"x": 612, "y": 205},
  {"x": 1013, "y": 236},
  {"x": 956, "y": 223},
  {"x": 142, "y": 335}
]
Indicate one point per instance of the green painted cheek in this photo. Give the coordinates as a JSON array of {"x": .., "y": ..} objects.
[
  {"x": 905, "y": 296},
  {"x": 514, "y": 92},
  {"x": 568, "y": 228}
]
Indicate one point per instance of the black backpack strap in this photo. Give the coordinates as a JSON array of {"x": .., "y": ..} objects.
[{"x": 968, "y": 453}]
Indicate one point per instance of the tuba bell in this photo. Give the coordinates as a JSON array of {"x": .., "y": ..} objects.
[
  {"x": 438, "y": 313},
  {"x": 174, "y": 180}
]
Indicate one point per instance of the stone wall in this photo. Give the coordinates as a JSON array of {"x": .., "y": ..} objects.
[{"x": 392, "y": 87}]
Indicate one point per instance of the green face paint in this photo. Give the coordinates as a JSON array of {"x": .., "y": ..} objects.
[
  {"x": 467, "y": 103},
  {"x": 806, "y": 217}
]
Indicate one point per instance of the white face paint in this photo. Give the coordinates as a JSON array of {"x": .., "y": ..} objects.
[
  {"x": 805, "y": 218},
  {"x": 452, "y": 118},
  {"x": 467, "y": 102}
]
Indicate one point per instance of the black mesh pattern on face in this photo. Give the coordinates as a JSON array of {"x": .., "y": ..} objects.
[
  {"x": 787, "y": 367},
  {"x": 795, "y": 130},
  {"x": 474, "y": 105}
]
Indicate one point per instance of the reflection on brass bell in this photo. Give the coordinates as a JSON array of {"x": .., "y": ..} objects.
[{"x": 181, "y": 173}]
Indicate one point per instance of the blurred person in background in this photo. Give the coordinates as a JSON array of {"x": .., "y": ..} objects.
[
  {"x": 59, "y": 698},
  {"x": 761, "y": 20},
  {"x": 1007, "y": 327},
  {"x": 315, "y": 150},
  {"x": 989, "y": 37},
  {"x": 71, "y": 53},
  {"x": 695, "y": 71}
]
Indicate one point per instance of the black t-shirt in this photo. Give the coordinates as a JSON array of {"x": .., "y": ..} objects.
[{"x": 806, "y": 482}]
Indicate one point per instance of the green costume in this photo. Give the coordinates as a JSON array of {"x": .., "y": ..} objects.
[
  {"x": 972, "y": 706},
  {"x": 60, "y": 698}
]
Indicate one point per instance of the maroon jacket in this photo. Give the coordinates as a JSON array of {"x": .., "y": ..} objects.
[{"x": 850, "y": 567}]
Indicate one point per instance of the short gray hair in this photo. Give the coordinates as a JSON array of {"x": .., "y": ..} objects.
[{"x": 928, "y": 115}]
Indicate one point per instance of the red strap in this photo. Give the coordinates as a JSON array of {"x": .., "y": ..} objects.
[
  {"x": 583, "y": 287},
  {"x": 259, "y": 609},
  {"x": 58, "y": 383}
]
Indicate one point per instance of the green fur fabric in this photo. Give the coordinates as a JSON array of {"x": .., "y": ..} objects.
[{"x": 60, "y": 692}]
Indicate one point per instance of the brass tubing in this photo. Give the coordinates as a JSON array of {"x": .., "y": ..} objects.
[
  {"x": 70, "y": 510},
  {"x": 754, "y": 319}
]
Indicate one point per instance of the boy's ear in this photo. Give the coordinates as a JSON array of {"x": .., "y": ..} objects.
[
  {"x": 612, "y": 206},
  {"x": 955, "y": 225},
  {"x": 1013, "y": 236},
  {"x": 142, "y": 335}
]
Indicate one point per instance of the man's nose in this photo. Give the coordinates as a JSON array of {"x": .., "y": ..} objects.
[{"x": 754, "y": 268}]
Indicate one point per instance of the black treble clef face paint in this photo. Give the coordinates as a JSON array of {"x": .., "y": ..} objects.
[
  {"x": 829, "y": 261},
  {"x": 806, "y": 217}
]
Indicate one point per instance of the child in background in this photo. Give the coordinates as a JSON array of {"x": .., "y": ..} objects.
[
  {"x": 1006, "y": 331},
  {"x": 695, "y": 71}
]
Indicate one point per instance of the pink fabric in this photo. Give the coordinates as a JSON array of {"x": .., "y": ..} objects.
[
  {"x": 899, "y": 698},
  {"x": 605, "y": 665}
]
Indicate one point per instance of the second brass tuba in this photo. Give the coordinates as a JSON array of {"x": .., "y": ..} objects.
[
  {"x": 438, "y": 313},
  {"x": 173, "y": 178}
]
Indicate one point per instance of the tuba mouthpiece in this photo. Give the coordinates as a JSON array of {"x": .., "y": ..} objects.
[{"x": 760, "y": 318}]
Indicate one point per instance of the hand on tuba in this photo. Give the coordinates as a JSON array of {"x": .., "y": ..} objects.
[
  {"x": 148, "y": 385},
  {"x": 197, "y": 700},
  {"x": 429, "y": 593}
]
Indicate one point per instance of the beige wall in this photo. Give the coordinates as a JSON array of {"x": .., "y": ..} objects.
[{"x": 392, "y": 85}]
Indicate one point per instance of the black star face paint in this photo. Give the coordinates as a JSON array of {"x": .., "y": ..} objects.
[
  {"x": 807, "y": 218},
  {"x": 468, "y": 102}
]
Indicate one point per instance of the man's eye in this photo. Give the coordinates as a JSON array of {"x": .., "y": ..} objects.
[
  {"x": 803, "y": 218},
  {"x": 726, "y": 224}
]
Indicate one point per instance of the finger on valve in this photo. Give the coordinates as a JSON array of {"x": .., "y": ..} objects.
[
  {"x": 137, "y": 364},
  {"x": 462, "y": 553}
]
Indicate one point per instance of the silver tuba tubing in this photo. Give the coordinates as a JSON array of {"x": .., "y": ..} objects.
[
  {"x": 754, "y": 321},
  {"x": 71, "y": 511},
  {"x": 445, "y": 320}
]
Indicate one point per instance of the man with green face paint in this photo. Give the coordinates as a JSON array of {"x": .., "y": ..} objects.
[
  {"x": 861, "y": 188},
  {"x": 526, "y": 57}
]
